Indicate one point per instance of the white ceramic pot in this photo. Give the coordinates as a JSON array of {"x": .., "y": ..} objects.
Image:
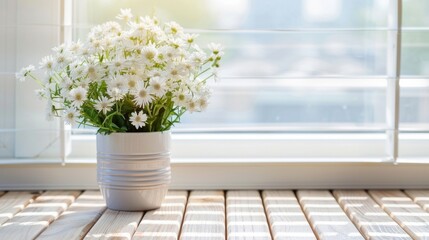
[{"x": 133, "y": 169}]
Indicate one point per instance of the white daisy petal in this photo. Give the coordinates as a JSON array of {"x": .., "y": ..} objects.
[
  {"x": 142, "y": 96},
  {"x": 138, "y": 120},
  {"x": 71, "y": 116},
  {"x": 103, "y": 104},
  {"x": 78, "y": 96}
]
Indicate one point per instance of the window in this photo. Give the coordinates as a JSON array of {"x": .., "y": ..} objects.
[
  {"x": 307, "y": 89},
  {"x": 297, "y": 75}
]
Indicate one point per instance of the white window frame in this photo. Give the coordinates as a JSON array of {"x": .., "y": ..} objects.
[{"x": 231, "y": 161}]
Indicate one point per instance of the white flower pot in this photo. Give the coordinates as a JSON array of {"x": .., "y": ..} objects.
[{"x": 133, "y": 169}]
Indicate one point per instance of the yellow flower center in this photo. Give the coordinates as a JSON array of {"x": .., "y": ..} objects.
[
  {"x": 142, "y": 93},
  {"x": 78, "y": 96},
  {"x": 131, "y": 83},
  {"x": 149, "y": 55}
]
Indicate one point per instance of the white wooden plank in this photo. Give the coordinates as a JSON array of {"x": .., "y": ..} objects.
[
  {"x": 370, "y": 218},
  {"x": 421, "y": 197},
  {"x": 13, "y": 202},
  {"x": 326, "y": 217},
  {"x": 204, "y": 216},
  {"x": 285, "y": 216},
  {"x": 76, "y": 221},
  {"x": 115, "y": 225},
  {"x": 412, "y": 218},
  {"x": 36, "y": 216},
  {"x": 165, "y": 222},
  {"x": 246, "y": 216}
]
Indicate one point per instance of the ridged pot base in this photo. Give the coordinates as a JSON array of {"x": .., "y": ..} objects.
[
  {"x": 133, "y": 199},
  {"x": 133, "y": 169}
]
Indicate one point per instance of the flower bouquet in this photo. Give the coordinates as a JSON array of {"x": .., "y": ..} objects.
[
  {"x": 132, "y": 82},
  {"x": 141, "y": 77}
]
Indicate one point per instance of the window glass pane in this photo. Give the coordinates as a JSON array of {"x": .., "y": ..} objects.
[
  {"x": 280, "y": 54},
  {"x": 414, "y": 111},
  {"x": 306, "y": 106},
  {"x": 415, "y": 13},
  {"x": 415, "y": 53},
  {"x": 272, "y": 78},
  {"x": 244, "y": 14}
]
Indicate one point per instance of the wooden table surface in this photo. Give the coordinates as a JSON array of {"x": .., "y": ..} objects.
[{"x": 238, "y": 214}]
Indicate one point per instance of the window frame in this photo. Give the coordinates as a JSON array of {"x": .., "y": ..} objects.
[{"x": 246, "y": 163}]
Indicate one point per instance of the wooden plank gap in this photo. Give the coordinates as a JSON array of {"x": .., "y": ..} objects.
[
  {"x": 266, "y": 215},
  {"x": 285, "y": 216},
  {"x": 421, "y": 197},
  {"x": 115, "y": 225},
  {"x": 368, "y": 216},
  {"x": 204, "y": 216},
  {"x": 408, "y": 214},
  {"x": 14, "y": 202},
  {"x": 183, "y": 217},
  {"x": 246, "y": 217},
  {"x": 326, "y": 217},
  {"x": 165, "y": 222}
]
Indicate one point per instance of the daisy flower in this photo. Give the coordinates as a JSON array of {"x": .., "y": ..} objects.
[
  {"x": 103, "y": 104},
  {"x": 176, "y": 72},
  {"x": 202, "y": 103},
  {"x": 71, "y": 115},
  {"x": 116, "y": 64},
  {"x": 84, "y": 83},
  {"x": 142, "y": 96},
  {"x": 132, "y": 81},
  {"x": 198, "y": 58},
  {"x": 215, "y": 48},
  {"x": 138, "y": 30},
  {"x": 174, "y": 28},
  {"x": 75, "y": 47},
  {"x": 77, "y": 71},
  {"x": 61, "y": 60},
  {"x": 190, "y": 38},
  {"x": 93, "y": 71},
  {"x": 125, "y": 15},
  {"x": 157, "y": 87},
  {"x": 180, "y": 99},
  {"x": 149, "y": 52},
  {"x": 138, "y": 120},
  {"x": 47, "y": 63},
  {"x": 24, "y": 72},
  {"x": 42, "y": 93},
  {"x": 78, "y": 96},
  {"x": 115, "y": 93},
  {"x": 191, "y": 106}
]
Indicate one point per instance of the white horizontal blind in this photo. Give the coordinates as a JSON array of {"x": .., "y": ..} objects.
[{"x": 290, "y": 65}]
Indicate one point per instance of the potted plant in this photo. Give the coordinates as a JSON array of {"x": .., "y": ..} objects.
[{"x": 132, "y": 82}]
